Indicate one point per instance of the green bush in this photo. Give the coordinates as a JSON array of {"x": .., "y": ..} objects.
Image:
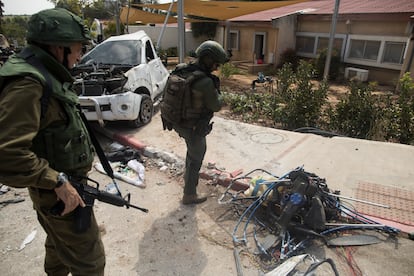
[
  {"x": 207, "y": 29},
  {"x": 398, "y": 115},
  {"x": 335, "y": 65},
  {"x": 298, "y": 102},
  {"x": 302, "y": 102},
  {"x": 356, "y": 115},
  {"x": 289, "y": 56},
  {"x": 228, "y": 69}
]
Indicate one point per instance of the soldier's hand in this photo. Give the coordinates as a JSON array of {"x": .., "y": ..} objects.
[{"x": 70, "y": 197}]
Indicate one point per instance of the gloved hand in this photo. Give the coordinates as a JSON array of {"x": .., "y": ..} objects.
[
  {"x": 203, "y": 129},
  {"x": 216, "y": 81}
]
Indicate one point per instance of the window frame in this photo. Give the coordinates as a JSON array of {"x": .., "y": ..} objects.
[
  {"x": 402, "y": 54},
  {"x": 379, "y": 61},
  {"x": 237, "y": 33},
  {"x": 314, "y": 54}
]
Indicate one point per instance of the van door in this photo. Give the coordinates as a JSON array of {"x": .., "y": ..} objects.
[{"x": 159, "y": 73}]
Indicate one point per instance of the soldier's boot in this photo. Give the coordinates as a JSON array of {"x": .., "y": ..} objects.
[{"x": 193, "y": 199}]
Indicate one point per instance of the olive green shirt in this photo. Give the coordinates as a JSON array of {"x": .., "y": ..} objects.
[{"x": 19, "y": 123}]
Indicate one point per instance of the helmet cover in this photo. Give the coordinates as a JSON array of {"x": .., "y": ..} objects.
[
  {"x": 214, "y": 50},
  {"x": 57, "y": 27}
]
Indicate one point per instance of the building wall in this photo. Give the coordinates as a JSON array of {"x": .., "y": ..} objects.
[
  {"x": 390, "y": 27},
  {"x": 355, "y": 27},
  {"x": 281, "y": 35},
  {"x": 408, "y": 65},
  {"x": 169, "y": 38},
  {"x": 285, "y": 37},
  {"x": 247, "y": 33}
]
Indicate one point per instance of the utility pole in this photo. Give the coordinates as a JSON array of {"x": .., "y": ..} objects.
[
  {"x": 118, "y": 27},
  {"x": 181, "y": 31},
  {"x": 331, "y": 40},
  {"x": 164, "y": 25}
]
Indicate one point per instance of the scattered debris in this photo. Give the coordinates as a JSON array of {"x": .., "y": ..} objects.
[
  {"x": 4, "y": 189},
  {"x": 123, "y": 173},
  {"x": 10, "y": 201},
  {"x": 284, "y": 215},
  {"x": 28, "y": 240},
  {"x": 124, "y": 155}
]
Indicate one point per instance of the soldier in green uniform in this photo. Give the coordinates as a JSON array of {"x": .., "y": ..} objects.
[
  {"x": 43, "y": 139},
  {"x": 205, "y": 100}
]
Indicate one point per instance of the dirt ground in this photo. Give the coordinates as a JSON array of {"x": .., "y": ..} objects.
[
  {"x": 242, "y": 84},
  {"x": 173, "y": 239}
]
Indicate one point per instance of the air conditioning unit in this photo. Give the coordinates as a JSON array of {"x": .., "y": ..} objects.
[{"x": 356, "y": 73}]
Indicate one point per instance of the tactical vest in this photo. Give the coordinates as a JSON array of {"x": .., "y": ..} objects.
[{"x": 67, "y": 147}]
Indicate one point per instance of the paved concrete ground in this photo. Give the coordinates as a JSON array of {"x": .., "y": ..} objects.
[{"x": 345, "y": 163}]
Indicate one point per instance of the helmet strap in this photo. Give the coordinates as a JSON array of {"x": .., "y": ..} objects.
[
  {"x": 66, "y": 52},
  {"x": 207, "y": 62}
]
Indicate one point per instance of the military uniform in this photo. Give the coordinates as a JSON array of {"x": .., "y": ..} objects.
[
  {"x": 37, "y": 142},
  {"x": 205, "y": 101}
]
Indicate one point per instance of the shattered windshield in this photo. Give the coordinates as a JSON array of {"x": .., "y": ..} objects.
[{"x": 114, "y": 52}]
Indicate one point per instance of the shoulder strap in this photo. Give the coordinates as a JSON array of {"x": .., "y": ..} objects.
[
  {"x": 30, "y": 58},
  {"x": 28, "y": 55}
]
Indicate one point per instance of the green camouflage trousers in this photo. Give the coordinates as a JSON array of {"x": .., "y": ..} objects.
[
  {"x": 67, "y": 251},
  {"x": 196, "y": 149}
]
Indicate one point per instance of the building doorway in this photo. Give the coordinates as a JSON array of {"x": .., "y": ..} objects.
[{"x": 259, "y": 46}]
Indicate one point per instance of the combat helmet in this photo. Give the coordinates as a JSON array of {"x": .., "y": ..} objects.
[
  {"x": 214, "y": 50},
  {"x": 57, "y": 27}
]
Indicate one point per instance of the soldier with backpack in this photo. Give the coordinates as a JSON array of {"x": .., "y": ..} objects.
[
  {"x": 191, "y": 97},
  {"x": 43, "y": 139}
]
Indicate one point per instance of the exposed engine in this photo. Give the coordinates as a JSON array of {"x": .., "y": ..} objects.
[{"x": 93, "y": 81}]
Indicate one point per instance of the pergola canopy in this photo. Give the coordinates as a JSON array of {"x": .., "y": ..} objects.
[{"x": 209, "y": 10}]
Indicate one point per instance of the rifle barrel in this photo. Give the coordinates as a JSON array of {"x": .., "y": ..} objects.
[{"x": 139, "y": 208}]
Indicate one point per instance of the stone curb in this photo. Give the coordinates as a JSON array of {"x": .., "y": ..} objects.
[{"x": 222, "y": 178}]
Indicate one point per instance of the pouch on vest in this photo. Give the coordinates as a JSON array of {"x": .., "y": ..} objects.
[{"x": 177, "y": 98}]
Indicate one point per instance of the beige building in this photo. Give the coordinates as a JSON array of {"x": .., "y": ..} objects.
[{"x": 373, "y": 38}]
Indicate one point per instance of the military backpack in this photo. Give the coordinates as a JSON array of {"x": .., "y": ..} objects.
[{"x": 177, "y": 95}]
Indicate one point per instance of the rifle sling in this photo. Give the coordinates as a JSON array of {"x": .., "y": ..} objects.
[{"x": 99, "y": 151}]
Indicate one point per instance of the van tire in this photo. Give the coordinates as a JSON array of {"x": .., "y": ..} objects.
[{"x": 146, "y": 110}]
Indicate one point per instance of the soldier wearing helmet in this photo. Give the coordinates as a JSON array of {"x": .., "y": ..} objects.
[
  {"x": 205, "y": 100},
  {"x": 43, "y": 139}
]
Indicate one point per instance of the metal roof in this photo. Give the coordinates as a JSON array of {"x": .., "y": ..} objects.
[{"x": 325, "y": 7}]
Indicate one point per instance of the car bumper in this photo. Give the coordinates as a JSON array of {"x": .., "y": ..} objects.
[{"x": 117, "y": 107}]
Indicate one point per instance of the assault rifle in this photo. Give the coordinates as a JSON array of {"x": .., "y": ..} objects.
[{"x": 89, "y": 193}]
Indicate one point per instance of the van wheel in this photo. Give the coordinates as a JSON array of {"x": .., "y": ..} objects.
[{"x": 146, "y": 110}]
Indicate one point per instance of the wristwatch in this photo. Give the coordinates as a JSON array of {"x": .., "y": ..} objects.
[{"x": 61, "y": 179}]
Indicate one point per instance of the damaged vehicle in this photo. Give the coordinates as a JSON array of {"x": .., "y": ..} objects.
[{"x": 121, "y": 79}]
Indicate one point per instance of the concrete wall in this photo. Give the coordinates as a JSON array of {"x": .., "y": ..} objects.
[
  {"x": 169, "y": 38},
  {"x": 286, "y": 27}
]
